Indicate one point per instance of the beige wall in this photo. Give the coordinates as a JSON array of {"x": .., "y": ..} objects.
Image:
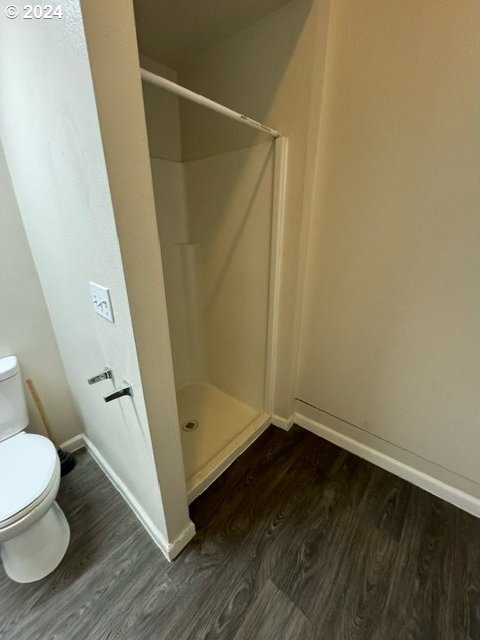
[
  {"x": 256, "y": 72},
  {"x": 265, "y": 71},
  {"x": 25, "y": 327},
  {"x": 53, "y": 146},
  {"x": 390, "y": 336},
  {"x": 112, "y": 48},
  {"x": 162, "y": 114}
]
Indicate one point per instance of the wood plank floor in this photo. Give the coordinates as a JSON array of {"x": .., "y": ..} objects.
[{"x": 297, "y": 540}]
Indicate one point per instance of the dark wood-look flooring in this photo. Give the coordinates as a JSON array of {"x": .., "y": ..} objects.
[{"x": 297, "y": 540}]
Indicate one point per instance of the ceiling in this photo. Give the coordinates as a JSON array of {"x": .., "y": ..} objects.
[{"x": 174, "y": 31}]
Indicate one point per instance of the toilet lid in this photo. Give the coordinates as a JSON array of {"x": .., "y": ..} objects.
[{"x": 27, "y": 465}]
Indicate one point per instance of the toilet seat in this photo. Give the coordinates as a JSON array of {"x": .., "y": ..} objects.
[{"x": 28, "y": 472}]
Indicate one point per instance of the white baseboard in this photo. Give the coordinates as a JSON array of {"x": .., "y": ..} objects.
[
  {"x": 180, "y": 541},
  {"x": 74, "y": 444},
  {"x": 170, "y": 550},
  {"x": 459, "y": 498},
  {"x": 282, "y": 423}
]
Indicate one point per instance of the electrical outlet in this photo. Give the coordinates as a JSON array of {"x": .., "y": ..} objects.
[{"x": 100, "y": 297}]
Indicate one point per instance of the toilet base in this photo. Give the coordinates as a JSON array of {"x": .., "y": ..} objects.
[{"x": 37, "y": 551}]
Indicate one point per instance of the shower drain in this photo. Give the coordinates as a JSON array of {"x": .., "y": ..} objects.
[{"x": 190, "y": 425}]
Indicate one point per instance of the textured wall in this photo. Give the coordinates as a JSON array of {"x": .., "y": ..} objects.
[
  {"x": 25, "y": 327},
  {"x": 391, "y": 336},
  {"x": 53, "y": 146}
]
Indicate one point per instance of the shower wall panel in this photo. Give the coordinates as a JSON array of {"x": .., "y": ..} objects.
[
  {"x": 179, "y": 257},
  {"x": 229, "y": 202}
]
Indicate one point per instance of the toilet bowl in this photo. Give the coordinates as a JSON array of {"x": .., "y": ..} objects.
[{"x": 34, "y": 532}]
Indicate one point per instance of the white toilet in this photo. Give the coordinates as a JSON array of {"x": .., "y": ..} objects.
[{"x": 34, "y": 532}]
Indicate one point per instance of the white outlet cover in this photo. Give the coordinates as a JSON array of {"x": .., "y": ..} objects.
[{"x": 100, "y": 298}]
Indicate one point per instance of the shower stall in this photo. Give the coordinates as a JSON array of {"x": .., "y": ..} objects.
[{"x": 219, "y": 209}]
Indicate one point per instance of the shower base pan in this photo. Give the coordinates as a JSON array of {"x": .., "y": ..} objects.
[{"x": 215, "y": 429}]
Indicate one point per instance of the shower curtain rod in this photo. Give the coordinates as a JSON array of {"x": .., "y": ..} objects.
[{"x": 183, "y": 92}]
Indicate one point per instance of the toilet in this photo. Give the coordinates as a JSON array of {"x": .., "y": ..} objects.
[{"x": 34, "y": 532}]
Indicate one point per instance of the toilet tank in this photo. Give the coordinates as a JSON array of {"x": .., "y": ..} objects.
[{"x": 13, "y": 408}]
